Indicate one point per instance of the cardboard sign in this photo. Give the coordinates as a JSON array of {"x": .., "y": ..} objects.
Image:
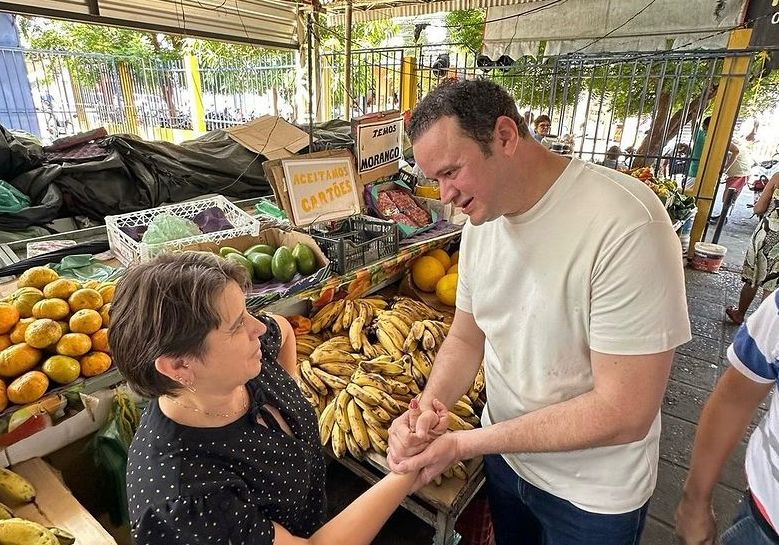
[
  {"x": 271, "y": 136},
  {"x": 378, "y": 145}
]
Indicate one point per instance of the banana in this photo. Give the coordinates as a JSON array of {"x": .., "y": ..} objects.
[
  {"x": 326, "y": 421},
  {"x": 478, "y": 382},
  {"x": 377, "y": 412},
  {"x": 420, "y": 363},
  {"x": 397, "y": 387},
  {"x": 463, "y": 409},
  {"x": 338, "y": 323},
  {"x": 331, "y": 355},
  {"x": 308, "y": 392},
  {"x": 338, "y": 342},
  {"x": 370, "y": 418},
  {"x": 457, "y": 424},
  {"x": 362, "y": 378},
  {"x": 473, "y": 420},
  {"x": 376, "y": 302},
  {"x": 14, "y": 488},
  {"x": 332, "y": 381},
  {"x": 377, "y": 441},
  {"x": 341, "y": 418},
  {"x": 428, "y": 341},
  {"x": 307, "y": 373},
  {"x": 386, "y": 342},
  {"x": 447, "y": 474},
  {"x": 340, "y": 369},
  {"x": 354, "y": 447},
  {"x": 414, "y": 387},
  {"x": 18, "y": 531},
  {"x": 63, "y": 536},
  {"x": 437, "y": 480},
  {"x": 394, "y": 333},
  {"x": 385, "y": 399},
  {"x": 419, "y": 378},
  {"x": 387, "y": 369},
  {"x": 348, "y": 314},
  {"x": 355, "y": 333},
  {"x": 357, "y": 425},
  {"x": 326, "y": 315},
  {"x": 5, "y": 512},
  {"x": 436, "y": 329},
  {"x": 381, "y": 431},
  {"x": 401, "y": 322},
  {"x": 413, "y": 337},
  {"x": 459, "y": 472},
  {"x": 359, "y": 392},
  {"x": 338, "y": 440}
]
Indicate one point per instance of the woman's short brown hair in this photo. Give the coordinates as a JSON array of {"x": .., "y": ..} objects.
[{"x": 166, "y": 306}]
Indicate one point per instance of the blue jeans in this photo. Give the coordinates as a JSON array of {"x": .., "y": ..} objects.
[
  {"x": 525, "y": 515},
  {"x": 745, "y": 529}
]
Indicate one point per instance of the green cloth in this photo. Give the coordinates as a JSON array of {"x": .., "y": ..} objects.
[
  {"x": 11, "y": 199},
  {"x": 84, "y": 267},
  {"x": 697, "y": 150}
]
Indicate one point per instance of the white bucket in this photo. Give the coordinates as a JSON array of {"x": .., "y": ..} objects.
[{"x": 708, "y": 256}]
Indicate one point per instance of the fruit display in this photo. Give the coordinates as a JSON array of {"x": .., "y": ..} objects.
[
  {"x": 363, "y": 361},
  {"x": 16, "y": 490},
  {"x": 264, "y": 262},
  {"x": 679, "y": 205},
  {"x": 436, "y": 272},
  {"x": 52, "y": 331}
]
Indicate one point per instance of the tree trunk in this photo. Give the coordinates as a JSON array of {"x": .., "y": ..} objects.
[{"x": 653, "y": 143}]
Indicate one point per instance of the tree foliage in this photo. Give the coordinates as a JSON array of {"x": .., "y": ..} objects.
[{"x": 466, "y": 27}]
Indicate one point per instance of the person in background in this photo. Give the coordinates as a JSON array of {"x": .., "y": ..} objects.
[
  {"x": 570, "y": 444},
  {"x": 738, "y": 168},
  {"x": 761, "y": 262},
  {"x": 752, "y": 375},
  {"x": 612, "y": 159},
  {"x": 542, "y": 125},
  {"x": 679, "y": 163},
  {"x": 228, "y": 449},
  {"x": 697, "y": 148}
]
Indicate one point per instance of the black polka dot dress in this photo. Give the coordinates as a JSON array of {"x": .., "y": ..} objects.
[{"x": 195, "y": 486}]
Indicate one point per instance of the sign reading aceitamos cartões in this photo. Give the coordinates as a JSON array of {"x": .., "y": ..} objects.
[
  {"x": 379, "y": 145},
  {"x": 320, "y": 189}
]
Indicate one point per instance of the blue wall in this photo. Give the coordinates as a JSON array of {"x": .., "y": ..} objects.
[{"x": 17, "y": 110}]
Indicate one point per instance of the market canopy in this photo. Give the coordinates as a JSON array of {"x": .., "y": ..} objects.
[
  {"x": 373, "y": 10},
  {"x": 271, "y": 23}
]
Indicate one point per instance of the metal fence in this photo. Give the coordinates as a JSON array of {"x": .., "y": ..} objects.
[{"x": 74, "y": 92}]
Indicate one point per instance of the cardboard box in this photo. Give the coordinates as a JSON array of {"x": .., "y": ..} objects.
[
  {"x": 54, "y": 505},
  {"x": 378, "y": 143},
  {"x": 270, "y": 136}
]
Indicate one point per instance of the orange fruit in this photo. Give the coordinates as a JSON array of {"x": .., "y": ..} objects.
[
  {"x": 106, "y": 291},
  {"x": 28, "y": 388},
  {"x": 42, "y": 333},
  {"x": 5, "y": 342},
  {"x": 446, "y": 289},
  {"x": 17, "y": 359},
  {"x": 56, "y": 309},
  {"x": 9, "y": 317},
  {"x": 17, "y": 333},
  {"x": 64, "y": 326},
  {"x": 441, "y": 256},
  {"x": 455, "y": 257},
  {"x": 36, "y": 277},
  {"x": 453, "y": 269},
  {"x": 426, "y": 272},
  {"x": 3, "y": 396},
  {"x": 85, "y": 298},
  {"x": 104, "y": 310},
  {"x": 85, "y": 321},
  {"x": 61, "y": 288},
  {"x": 95, "y": 363},
  {"x": 24, "y": 299},
  {"x": 61, "y": 369},
  {"x": 74, "y": 344},
  {"x": 100, "y": 340}
]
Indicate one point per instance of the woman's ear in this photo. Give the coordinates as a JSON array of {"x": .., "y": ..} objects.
[{"x": 175, "y": 368}]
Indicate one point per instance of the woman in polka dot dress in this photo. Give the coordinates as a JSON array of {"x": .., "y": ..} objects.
[{"x": 228, "y": 449}]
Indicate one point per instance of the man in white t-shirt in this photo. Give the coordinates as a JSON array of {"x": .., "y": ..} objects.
[
  {"x": 753, "y": 374},
  {"x": 571, "y": 290}
]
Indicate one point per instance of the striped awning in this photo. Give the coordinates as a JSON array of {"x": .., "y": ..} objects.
[
  {"x": 271, "y": 23},
  {"x": 363, "y": 10}
]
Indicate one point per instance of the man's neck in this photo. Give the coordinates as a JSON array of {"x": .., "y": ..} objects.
[{"x": 536, "y": 170}]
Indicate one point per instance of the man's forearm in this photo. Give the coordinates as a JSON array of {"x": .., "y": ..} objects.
[
  {"x": 454, "y": 369},
  {"x": 585, "y": 421}
]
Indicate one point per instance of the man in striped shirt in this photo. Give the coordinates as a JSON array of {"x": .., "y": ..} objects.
[{"x": 753, "y": 374}]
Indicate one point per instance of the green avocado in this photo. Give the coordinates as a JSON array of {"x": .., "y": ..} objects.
[
  {"x": 261, "y": 248},
  {"x": 283, "y": 265},
  {"x": 304, "y": 258},
  {"x": 243, "y": 262},
  {"x": 263, "y": 268},
  {"x": 224, "y": 251}
]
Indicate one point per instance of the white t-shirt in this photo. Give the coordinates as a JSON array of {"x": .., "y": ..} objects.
[
  {"x": 594, "y": 265},
  {"x": 742, "y": 166},
  {"x": 755, "y": 352}
]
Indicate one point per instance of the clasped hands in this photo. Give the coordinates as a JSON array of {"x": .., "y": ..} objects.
[{"x": 418, "y": 442}]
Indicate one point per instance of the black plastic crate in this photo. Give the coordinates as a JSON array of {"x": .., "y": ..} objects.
[{"x": 356, "y": 241}]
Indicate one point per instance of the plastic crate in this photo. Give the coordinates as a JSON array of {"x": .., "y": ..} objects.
[
  {"x": 356, "y": 241},
  {"x": 128, "y": 250}
]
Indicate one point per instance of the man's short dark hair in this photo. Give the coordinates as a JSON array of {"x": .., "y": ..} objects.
[{"x": 476, "y": 104}]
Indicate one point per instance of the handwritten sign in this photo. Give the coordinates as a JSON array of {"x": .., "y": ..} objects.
[
  {"x": 321, "y": 189},
  {"x": 378, "y": 144}
]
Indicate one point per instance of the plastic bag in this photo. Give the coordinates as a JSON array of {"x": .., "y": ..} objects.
[
  {"x": 84, "y": 267},
  {"x": 165, "y": 227},
  {"x": 11, "y": 199}
]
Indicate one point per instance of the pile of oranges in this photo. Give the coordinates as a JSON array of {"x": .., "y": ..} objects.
[{"x": 436, "y": 271}]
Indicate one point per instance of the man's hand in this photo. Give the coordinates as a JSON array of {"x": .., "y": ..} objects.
[
  {"x": 414, "y": 430},
  {"x": 695, "y": 523},
  {"x": 442, "y": 453}
]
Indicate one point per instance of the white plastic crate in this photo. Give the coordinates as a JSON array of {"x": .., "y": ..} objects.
[{"x": 128, "y": 250}]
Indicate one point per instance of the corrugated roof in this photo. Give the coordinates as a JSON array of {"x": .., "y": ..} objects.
[
  {"x": 363, "y": 10},
  {"x": 271, "y": 23}
]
